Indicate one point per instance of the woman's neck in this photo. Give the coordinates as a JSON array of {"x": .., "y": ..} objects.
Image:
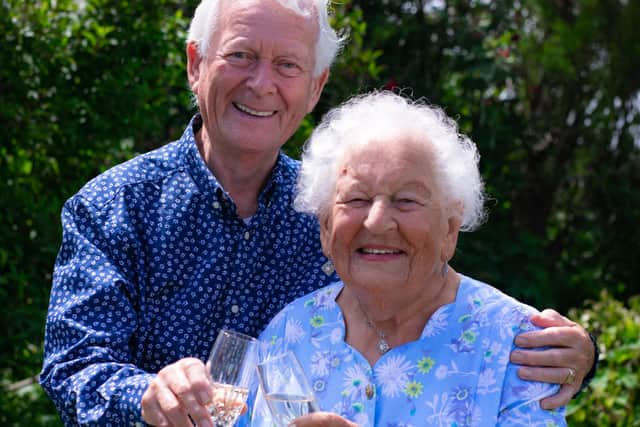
[{"x": 366, "y": 329}]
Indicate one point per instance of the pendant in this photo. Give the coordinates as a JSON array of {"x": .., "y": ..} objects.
[{"x": 383, "y": 346}]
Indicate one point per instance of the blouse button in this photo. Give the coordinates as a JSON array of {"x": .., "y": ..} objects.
[
  {"x": 235, "y": 309},
  {"x": 216, "y": 205},
  {"x": 247, "y": 236},
  {"x": 368, "y": 390}
]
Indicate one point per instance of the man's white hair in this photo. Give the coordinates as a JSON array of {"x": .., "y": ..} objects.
[
  {"x": 391, "y": 119},
  {"x": 205, "y": 20}
]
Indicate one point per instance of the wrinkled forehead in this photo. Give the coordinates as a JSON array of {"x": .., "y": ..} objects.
[
  {"x": 295, "y": 17},
  {"x": 384, "y": 146},
  {"x": 302, "y": 8},
  {"x": 388, "y": 160}
]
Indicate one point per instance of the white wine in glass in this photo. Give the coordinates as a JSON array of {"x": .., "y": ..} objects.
[
  {"x": 230, "y": 368},
  {"x": 286, "y": 389}
]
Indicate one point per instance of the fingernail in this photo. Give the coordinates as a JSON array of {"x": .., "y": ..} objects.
[
  {"x": 204, "y": 397},
  {"x": 521, "y": 341}
]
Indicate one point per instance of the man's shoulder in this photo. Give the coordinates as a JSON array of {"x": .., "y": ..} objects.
[
  {"x": 289, "y": 168},
  {"x": 144, "y": 169}
]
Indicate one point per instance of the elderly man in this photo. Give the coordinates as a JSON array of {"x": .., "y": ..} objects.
[{"x": 162, "y": 251}]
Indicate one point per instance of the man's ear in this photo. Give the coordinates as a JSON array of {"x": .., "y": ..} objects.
[
  {"x": 317, "y": 84},
  {"x": 193, "y": 65}
]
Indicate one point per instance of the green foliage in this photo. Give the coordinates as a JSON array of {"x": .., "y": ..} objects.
[
  {"x": 551, "y": 94},
  {"x": 548, "y": 90},
  {"x": 613, "y": 398},
  {"x": 82, "y": 89},
  {"x": 27, "y": 406}
]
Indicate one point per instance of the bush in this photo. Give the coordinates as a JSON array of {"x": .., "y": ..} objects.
[{"x": 613, "y": 398}]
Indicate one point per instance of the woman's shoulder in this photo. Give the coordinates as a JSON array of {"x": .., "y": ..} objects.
[
  {"x": 484, "y": 301},
  {"x": 483, "y": 295},
  {"x": 322, "y": 299}
]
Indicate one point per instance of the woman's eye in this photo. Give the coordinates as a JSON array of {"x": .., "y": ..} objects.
[
  {"x": 407, "y": 202},
  {"x": 356, "y": 201}
]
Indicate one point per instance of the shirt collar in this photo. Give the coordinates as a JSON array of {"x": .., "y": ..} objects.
[{"x": 209, "y": 184}]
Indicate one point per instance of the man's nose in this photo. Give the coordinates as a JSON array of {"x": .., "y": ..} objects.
[{"x": 262, "y": 78}]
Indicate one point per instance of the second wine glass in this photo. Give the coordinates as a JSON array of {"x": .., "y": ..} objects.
[
  {"x": 285, "y": 388},
  {"x": 230, "y": 367}
]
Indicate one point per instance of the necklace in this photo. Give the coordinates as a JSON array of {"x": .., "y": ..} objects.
[{"x": 383, "y": 345}]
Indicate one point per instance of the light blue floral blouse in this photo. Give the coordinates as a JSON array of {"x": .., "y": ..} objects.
[{"x": 457, "y": 374}]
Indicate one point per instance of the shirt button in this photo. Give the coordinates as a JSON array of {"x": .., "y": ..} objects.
[
  {"x": 235, "y": 309},
  {"x": 216, "y": 205},
  {"x": 368, "y": 390},
  {"x": 247, "y": 235}
]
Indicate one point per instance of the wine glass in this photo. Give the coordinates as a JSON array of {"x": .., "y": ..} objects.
[
  {"x": 230, "y": 369},
  {"x": 285, "y": 388}
]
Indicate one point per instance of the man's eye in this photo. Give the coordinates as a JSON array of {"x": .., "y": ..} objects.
[
  {"x": 239, "y": 57},
  {"x": 289, "y": 69}
]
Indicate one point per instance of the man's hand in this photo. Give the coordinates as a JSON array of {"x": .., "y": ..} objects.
[
  {"x": 322, "y": 419},
  {"x": 567, "y": 362},
  {"x": 180, "y": 390}
]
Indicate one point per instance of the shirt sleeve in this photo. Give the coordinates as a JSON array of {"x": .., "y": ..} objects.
[
  {"x": 89, "y": 370},
  {"x": 520, "y": 400}
]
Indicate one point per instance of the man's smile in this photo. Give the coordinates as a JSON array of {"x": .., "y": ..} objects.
[{"x": 253, "y": 112}]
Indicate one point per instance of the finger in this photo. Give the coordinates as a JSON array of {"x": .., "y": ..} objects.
[
  {"x": 196, "y": 375},
  {"x": 561, "y": 398},
  {"x": 550, "y": 317},
  {"x": 171, "y": 408},
  {"x": 552, "y": 357},
  {"x": 152, "y": 413},
  {"x": 322, "y": 419},
  {"x": 552, "y": 336},
  {"x": 181, "y": 386},
  {"x": 546, "y": 375}
]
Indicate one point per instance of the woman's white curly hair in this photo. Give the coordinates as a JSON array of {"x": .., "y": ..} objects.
[{"x": 390, "y": 118}]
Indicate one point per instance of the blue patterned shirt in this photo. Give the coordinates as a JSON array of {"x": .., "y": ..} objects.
[
  {"x": 153, "y": 262},
  {"x": 456, "y": 374}
]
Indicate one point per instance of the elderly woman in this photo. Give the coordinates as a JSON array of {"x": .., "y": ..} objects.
[{"x": 403, "y": 339}]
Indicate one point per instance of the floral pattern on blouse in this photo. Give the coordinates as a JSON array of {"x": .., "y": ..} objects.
[{"x": 457, "y": 374}]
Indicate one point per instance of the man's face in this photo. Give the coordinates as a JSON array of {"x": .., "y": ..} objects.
[{"x": 255, "y": 84}]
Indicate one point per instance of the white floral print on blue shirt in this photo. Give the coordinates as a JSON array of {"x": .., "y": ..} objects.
[
  {"x": 154, "y": 261},
  {"x": 457, "y": 374}
]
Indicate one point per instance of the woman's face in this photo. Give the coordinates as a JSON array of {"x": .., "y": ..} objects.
[{"x": 388, "y": 227}]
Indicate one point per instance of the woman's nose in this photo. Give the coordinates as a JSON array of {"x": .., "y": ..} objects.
[{"x": 380, "y": 216}]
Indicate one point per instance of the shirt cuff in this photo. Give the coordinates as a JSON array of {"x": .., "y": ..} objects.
[{"x": 592, "y": 372}]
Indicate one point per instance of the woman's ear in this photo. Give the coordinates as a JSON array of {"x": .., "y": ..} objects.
[
  {"x": 454, "y": 221},
  {"x": 325, "y": 233}
]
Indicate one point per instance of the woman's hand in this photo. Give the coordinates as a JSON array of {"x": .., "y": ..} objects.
[
  {"x": 568, "y": 360},
  {"x": 322, "y": 419},
  {"x": 179, "y": 390}
]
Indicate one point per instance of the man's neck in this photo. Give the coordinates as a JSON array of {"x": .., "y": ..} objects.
[{"x": 242, "y": 175}]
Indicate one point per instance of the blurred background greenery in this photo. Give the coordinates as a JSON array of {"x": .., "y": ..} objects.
[{"x": 548, "y": 89}]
